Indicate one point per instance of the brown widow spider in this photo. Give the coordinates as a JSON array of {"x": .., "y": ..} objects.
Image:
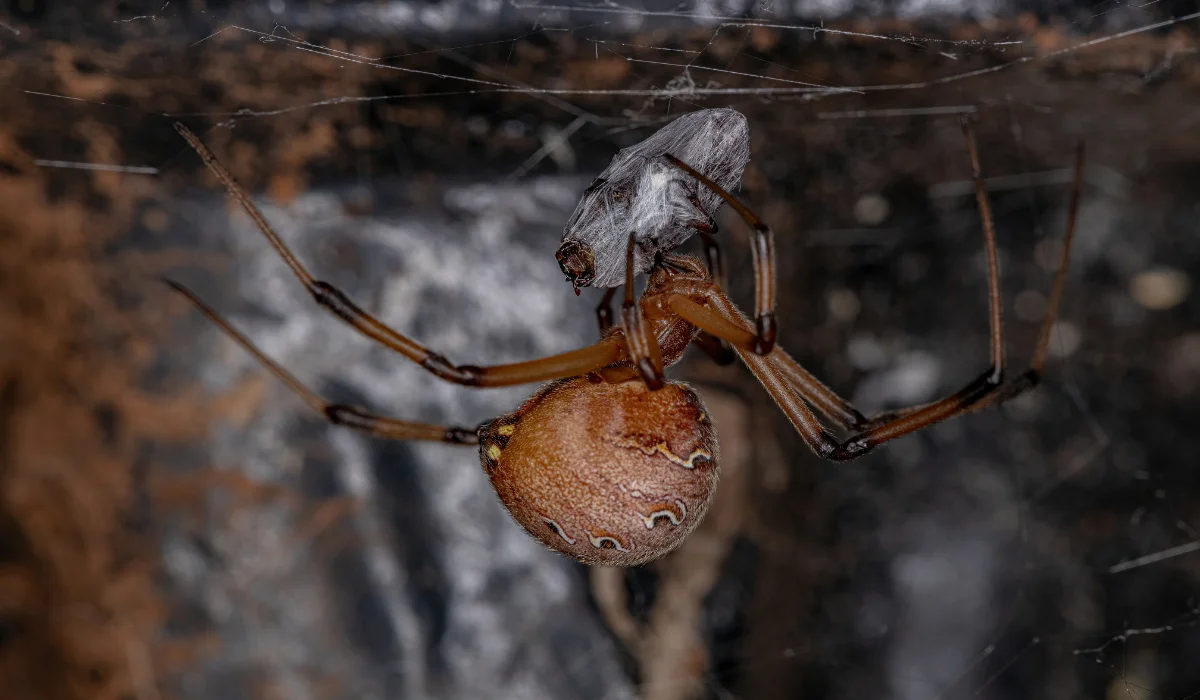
[{"x": 610, "y": 463}]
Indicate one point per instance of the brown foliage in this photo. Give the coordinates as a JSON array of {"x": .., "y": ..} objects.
[{"x": 76, "y": 591}]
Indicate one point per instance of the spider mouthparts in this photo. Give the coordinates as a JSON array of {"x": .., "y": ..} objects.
[{"x": 576, "y": 291}]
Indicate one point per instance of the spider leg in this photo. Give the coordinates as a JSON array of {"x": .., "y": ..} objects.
[
  {"x": 788, "y": 384},
  {"x": 813, "y": 390},
  {"x": 338, "y": 414},
  {"x": 718, "y": 349},
  {"x": 639, "y": 336},
  {"x": 764, "y": 261},
  {"x": 988, "y": 389},
  {"x": 712, "y": 254},
  {"x": 721, "y": 318},
  {"x": 791, "y": 386},
  {"x": 1031, "y": 377},
  {"x": 707, "y": 228},
  {"x": 335, "y": 301}
]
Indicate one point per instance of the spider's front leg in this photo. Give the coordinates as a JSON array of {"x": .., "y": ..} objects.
[
  {"x": 765, "y": 329},
  {"x": 640, "y": 341},
  {"x": 333, "y": 300},
  {"x": 718, "y": 349}
]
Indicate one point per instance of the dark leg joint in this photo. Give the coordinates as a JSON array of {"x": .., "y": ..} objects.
[
  {"x": 992, "y": 378},
  {"x": 850, "y": 450},
  {"x": 443, "y": 368},
  {"x": 341, "y": 414},
  {"x": 765, "y": 327},
  {"x": 338, "y": 303},
  {"x": 980, "y": 387},
  {"x": 1026, "y": 382},
  {"x": 462, "y": 436},
  {"x": 651, "y": 376}
]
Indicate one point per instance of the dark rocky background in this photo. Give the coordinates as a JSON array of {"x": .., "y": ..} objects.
[{"x": 173, "y": 523}]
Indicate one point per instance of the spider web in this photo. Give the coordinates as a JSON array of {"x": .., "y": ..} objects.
[{"x": 424, "y": 158}]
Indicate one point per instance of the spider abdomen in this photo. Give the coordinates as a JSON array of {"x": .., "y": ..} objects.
[{"x": 606, "y": 473}]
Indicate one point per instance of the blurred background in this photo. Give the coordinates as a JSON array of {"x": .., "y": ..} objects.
[{"x": 175, "y": 524}]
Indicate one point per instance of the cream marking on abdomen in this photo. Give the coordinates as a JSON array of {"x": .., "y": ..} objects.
[
  {"x": 665, "y": 510},
  {"x": 598, "y": 541},
  {"x": 661, "y": 448},
  {"x": 558, "y": 529}
]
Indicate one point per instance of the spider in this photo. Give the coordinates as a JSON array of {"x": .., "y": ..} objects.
[{"x": 609, "y": 462}]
